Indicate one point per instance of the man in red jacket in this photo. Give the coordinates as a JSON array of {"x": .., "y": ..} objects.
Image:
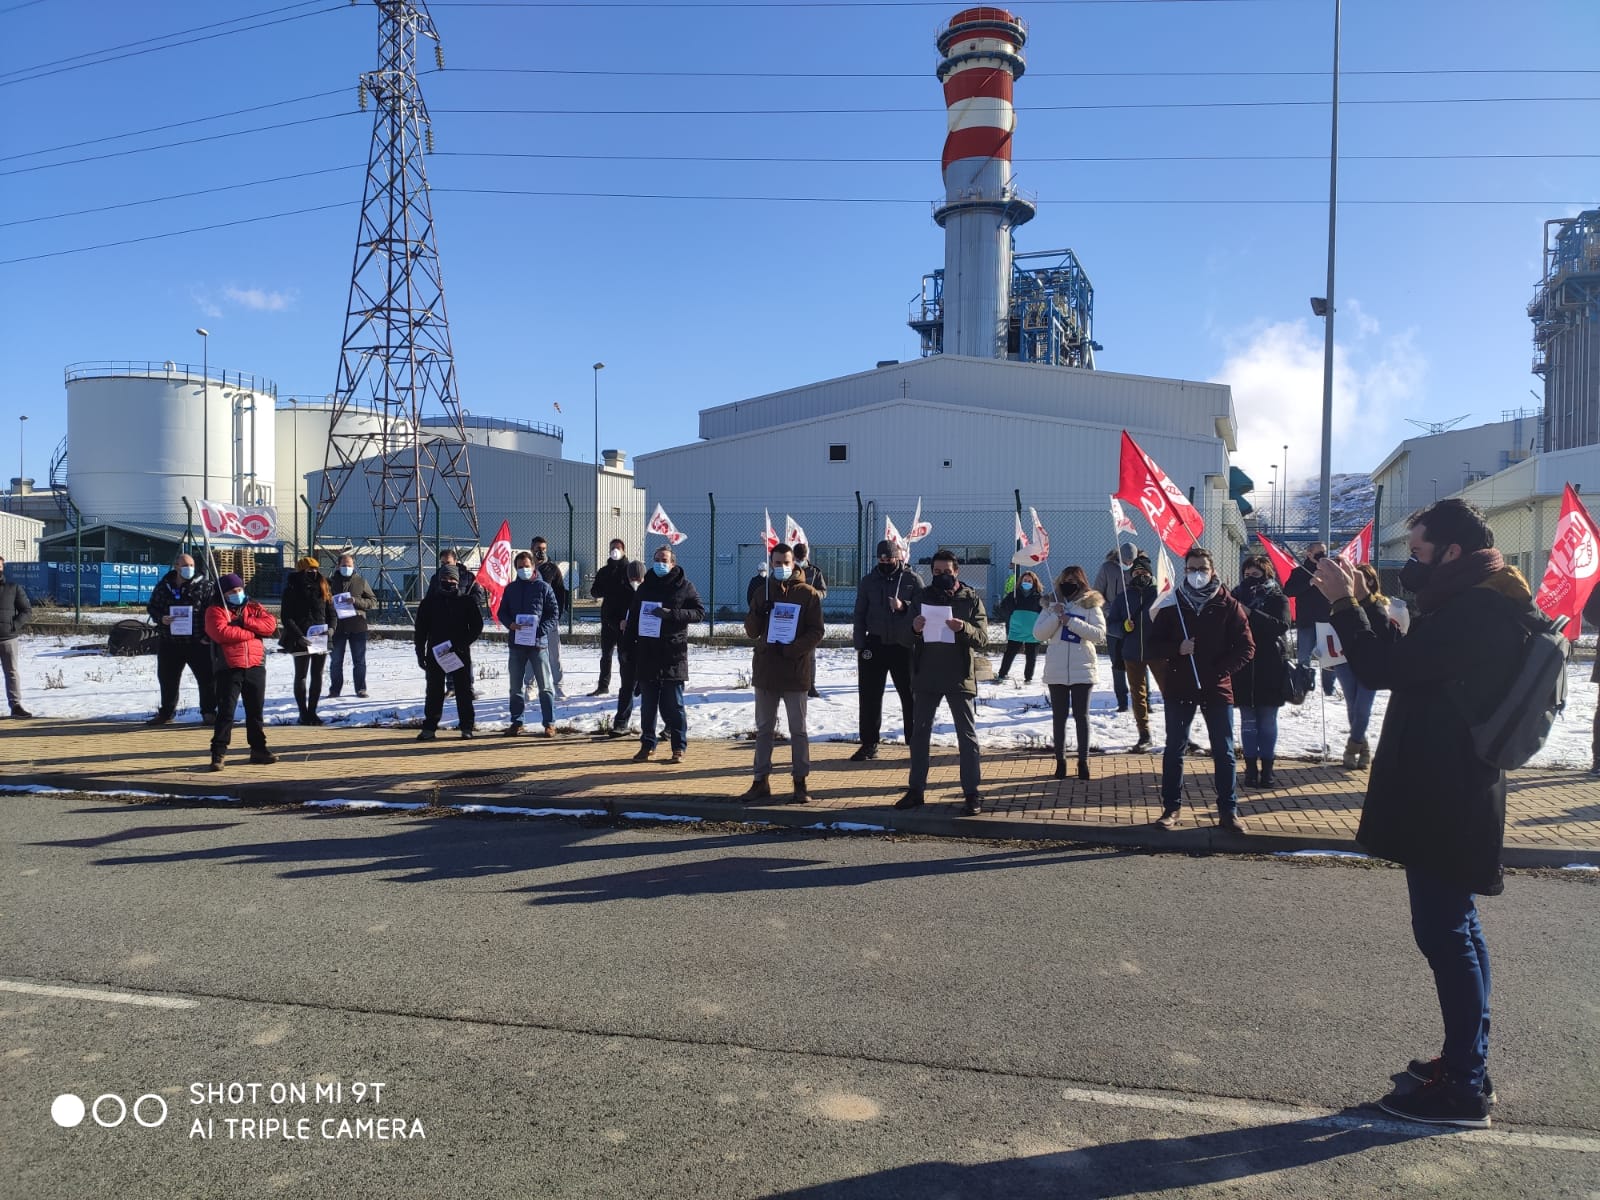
[
  {"x": 238, "y": 627},
  {"x": 1204, "y": 636}
]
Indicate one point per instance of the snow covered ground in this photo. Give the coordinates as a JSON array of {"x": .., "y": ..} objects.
[{"x": 63, "y": 680}]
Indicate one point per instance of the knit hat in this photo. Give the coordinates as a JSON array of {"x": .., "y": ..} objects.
[
  {"x": 885, "y": 549},
  {"x": 1141, "y": 563},
  {"x": 449, "y": 572},
  {"x": 229, "y": 582}
]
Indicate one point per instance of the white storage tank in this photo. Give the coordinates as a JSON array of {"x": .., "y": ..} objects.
[
  {"x": 503, "y": 433},
  {"x": 303, "y": 426},
  {"x": 141, "y": 436}
]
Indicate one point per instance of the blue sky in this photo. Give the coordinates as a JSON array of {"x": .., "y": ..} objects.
[{"x": 1202, "y": 268}]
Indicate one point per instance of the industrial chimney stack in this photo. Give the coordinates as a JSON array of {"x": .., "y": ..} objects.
[{"x": 982, "y": 55}]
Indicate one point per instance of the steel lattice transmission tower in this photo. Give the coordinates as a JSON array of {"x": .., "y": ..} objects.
[{"x": 396, "y": 368}]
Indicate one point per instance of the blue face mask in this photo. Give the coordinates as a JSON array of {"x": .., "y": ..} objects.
[
  {"x": 346, "y": 571},
  {"x": 782, "y": 573},
  {"x": 185, "y": 572},
  {"x": 235, "y": 598},
  {"x": 1027, "y": 585},
  {"x": 661, "y": 568},
  {"x": 524, "y": 573}
]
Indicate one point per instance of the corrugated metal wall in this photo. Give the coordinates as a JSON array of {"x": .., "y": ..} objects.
[{"x": 19, "y": 537}]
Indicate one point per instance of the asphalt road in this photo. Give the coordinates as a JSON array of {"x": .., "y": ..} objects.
[{"x": 591, "y": 1012}]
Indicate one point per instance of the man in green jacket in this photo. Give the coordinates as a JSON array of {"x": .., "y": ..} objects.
[
  {"x": 943, "y": 666},
  {"x": 785, "y": 623}
]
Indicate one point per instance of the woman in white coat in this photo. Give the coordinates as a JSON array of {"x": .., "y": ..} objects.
[{"x": 1071, "y": 626}]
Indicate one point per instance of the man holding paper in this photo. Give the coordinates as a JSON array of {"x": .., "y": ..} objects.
[
  {"x": 785, "y": 623},
  {"x": 529, "y": 611},
  {"x": 352, "y": 601},
  {"x": 952, "y": 629},
  {"x": 664, "y": 607},
  {"x": 177, "y": 605},
  {"x": 448, "y": 622}
]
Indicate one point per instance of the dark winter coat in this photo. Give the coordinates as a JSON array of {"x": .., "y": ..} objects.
[
  {"x": 532, "y": 596},
  {"x": 1222, "y": 646},
  {"x": 198, "y": 593},
  {"x": 944, "y": 667},
  {"x": 1310, "y": 605},
  {"x": 1133, "y": 605},
  {"x": 1259, "y": 683},
  {"x": 551, "y": 574},
  {"x": 1431, "y": 802},
  {"x": 466, "y": 584},
  {"x": 361, "y": 595},
  {"x": 874, "y": 618},
  {"x": 1591, "y": 614},
  {"x": 610, "y": 587},
  {"x": 15, "y": 609},
  {"x": 1024, "y": 602},
  {"x": 815, "y": 578},
  {"x": 664, "y": 658},
  {"x": 303, "y": 605},
  {"x": 446, "y": 617},
  {"x": 785, "y": 667}
]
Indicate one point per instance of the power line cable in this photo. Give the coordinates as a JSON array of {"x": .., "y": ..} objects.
[
  {"x": 226, "y": 187},
  {"x": 172, "y": 233},
  {"x": 210, "y": 137},
  {"x": 1072, "y": 158},
  {"x": 926, "y": 75}
]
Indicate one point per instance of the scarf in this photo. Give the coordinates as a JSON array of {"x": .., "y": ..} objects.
[
  {"x": 1199, "y": 597},
  {"x": 1452, "y": 578}
]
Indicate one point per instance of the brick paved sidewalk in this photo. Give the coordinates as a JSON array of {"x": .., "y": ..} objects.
[{"x": 1554, "y": 816}]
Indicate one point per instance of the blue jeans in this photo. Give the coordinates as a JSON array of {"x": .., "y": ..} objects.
[
  {"x": 358, "y": 658},
  {"x": 1259, "y": 729},
  {"x": 665, "y": 696},
  {"x": 531, "y": 664},
  {"x": 1444, "y": 920},
  {"x": 1305, "y": 644},
  {"x": 1357, "y": 700},
  {"x": 1219, "y": 724}
]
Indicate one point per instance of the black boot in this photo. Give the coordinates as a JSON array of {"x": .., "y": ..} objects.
[
  {"x": 1083, "y": 766},
  {"x": 1061, "y": 767},
  {"x": 1252, "y": 776},
  {"x": 1266, "y": 773}
]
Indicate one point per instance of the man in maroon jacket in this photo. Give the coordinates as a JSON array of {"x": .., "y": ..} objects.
[{"x": 1203, "y": 635}]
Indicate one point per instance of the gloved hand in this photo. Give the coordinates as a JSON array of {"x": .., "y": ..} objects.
[
  {"x": 422, "y": 661},
  {"x": 866, "y": 655}
]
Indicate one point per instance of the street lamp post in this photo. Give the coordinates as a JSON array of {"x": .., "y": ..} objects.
[
  {"x": 1328, "y": 297},
  {"x": 205, "y": 412},
  {"x": 598, "y": 367},
  {"x": 21, "y": 429}
]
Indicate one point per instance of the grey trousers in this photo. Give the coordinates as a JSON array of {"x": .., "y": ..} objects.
[
  {"x": 767, "y": 725},
  {"x": 13, "y": 673},
  {"x": 964, "y": 715}
]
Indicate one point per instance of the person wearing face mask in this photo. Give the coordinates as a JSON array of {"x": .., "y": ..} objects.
[
  {"x": 1204, "y": 636},
  {"x": 783, "y": 670},
  {"x": 1111, "y": 580},
  {"x": 183, "y": 587},
  {"x": 15, "y": 612},
  {"x": 237, "y": 628},
  {"x": 610, "y": 587},
  {"x": 1309, "y": 609},
  {"x": 529, "y": 600},
  {"x": 812, "y": 575},
  {"x": 307, "y": 603},
  {"x": 551, "y": 573},
  {"x": 1130, "y": 614},
  {"x": 351, "y": 631},
  {"x": 1358, "y": 697},
  {"x": 881, "y": 634},
  {"x": 664, "y": 607},
  {"x": 1432, "y": 804},
  {"x": 447, "y": 614},
  {"x": 627, "y": 677},
  {"x": 1071, "y": 625},
  {"x": 1591, "y": 614},
  {"x": 1258, "y": 686},
  {"x": 1018, "y": 609},
  {"x": 946, "y": 670}
]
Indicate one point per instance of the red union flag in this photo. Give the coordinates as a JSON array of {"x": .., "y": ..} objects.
[
  {"x": 1360, "y": 548},
  {"x": 495, "y": 571},
  {"x": 1574, "y": 561},
  {"x": 1141, "y": 482},
  {"x": 253, "y": 524},
  {"x": 769, "y": 535},
  {"x": 662, "y": 524},
  {"x": 1282, "y": 563}
]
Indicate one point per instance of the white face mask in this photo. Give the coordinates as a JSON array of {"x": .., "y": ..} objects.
[
  {"x": 1198, "y": 579},
  {"x": 615, "y": 556},
  {"x": 634, "y": 583}
]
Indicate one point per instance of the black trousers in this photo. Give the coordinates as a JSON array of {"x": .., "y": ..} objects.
[
  {"x": 433, "y": 696},
  {"x": 609, "y": 637},
  {"x": 1070, "y": 700},
  {"x": 172, "y": 656},
  {"x": 627, "y": 681},
  {"x": 231, "y": 684},
  {"x": 1119, "y": 669},
  {"x": 887, "y": 662},
  {"x": 304, "y": 664},
  {"x": 1030, "y": 651}
]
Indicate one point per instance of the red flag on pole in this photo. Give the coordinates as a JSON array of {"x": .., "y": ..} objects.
[
  {"x": 769, "y": 536},
  {"x": 1141, "y": 482},
  {"x": 1360, "y": 548},
  {"x": 496, "y": 571},
  {"x": 1574, "y": 562},
  {"x": 1282, "y": 563}
]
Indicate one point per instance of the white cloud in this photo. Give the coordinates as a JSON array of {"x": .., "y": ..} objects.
[
  {"x": 1275, "y": 371},
  {"x": 203, "y": 301},
  {"x": 258, "y": 299}
]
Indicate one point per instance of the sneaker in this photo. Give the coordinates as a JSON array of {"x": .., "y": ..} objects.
[
  {"x": 677, "y": 757},
  {"x": 427, "y": 735},
  {"x": 912, "y": 799},
  {"x": 758, "y": 790},
  {"x": 1440, "y": 1101},
  {"x": 468, "y": 733},
  {"x": 972, "y": 806},
  {"x": 1141, "y": 745},
  {"x": 1168, "y": 819},
  {"x": 1426, "y": 1068},
  {"x": 616, "y": 731},
  {"x": 866, "y": 753},
  {"x": 263, "y": 758}
]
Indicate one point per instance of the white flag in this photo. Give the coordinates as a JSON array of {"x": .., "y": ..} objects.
[
  {"x": 662, "y": 524},
  {"x": 919, "y": 528},
  {"x": 891, "y": 534},
  {"x": 792, "y": 533},
  {"x": 1166, "y": 582},
  {"x": 1119, "y": 520},
  {"x": 769, "y": 536},
  {"x": 1036, "y": 550}
]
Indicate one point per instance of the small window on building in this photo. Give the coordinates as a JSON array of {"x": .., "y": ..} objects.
[
  {"x": 838, "y": 452},
  {"x": 615, "y": 511},
  {"x": 947, "y": 462}
]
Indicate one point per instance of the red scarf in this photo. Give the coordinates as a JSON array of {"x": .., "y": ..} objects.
[{"x": 1454, "y": 577}]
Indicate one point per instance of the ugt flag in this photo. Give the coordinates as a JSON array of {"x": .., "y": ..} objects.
[
  {"x": 1574, "y": 560},
  {"x": 496, "y": 570},
  {"x": 1141, "y": 482},
  {"x": 662, "y": 524}
]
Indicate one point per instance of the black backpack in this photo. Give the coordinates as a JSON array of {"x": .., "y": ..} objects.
[{"x": 1517, "y": 726}]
